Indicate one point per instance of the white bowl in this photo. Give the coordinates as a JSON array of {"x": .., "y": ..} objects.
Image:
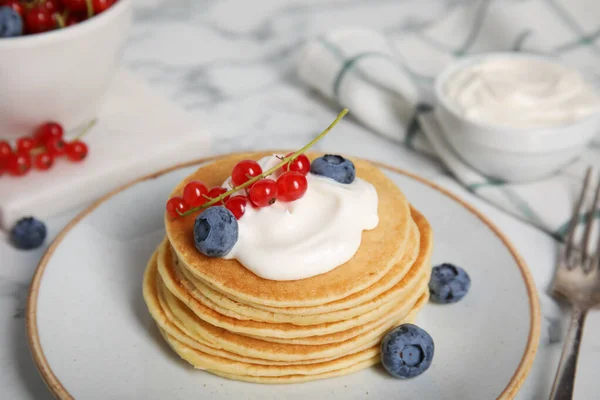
[
  {"x": 60, "y": 75},
  {"x": 507, "y": 153}
]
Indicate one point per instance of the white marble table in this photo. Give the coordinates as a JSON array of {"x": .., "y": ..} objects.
[{"x": 230, "y": 62}]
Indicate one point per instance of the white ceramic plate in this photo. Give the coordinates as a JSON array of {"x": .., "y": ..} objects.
[{"x": 92, "y": 337}]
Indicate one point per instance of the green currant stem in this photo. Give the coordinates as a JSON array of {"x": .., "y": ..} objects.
[
  {"x": 268, "y": 172},
  {"x": 85, "y": 131},
  {"x": 60, "y": 20},
  {"x": 90, "y": 8}
]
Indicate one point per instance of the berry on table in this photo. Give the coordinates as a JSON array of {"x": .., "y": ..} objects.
[
  {"x": 28, "y": 233},
  {"x": 43, "y": 161},
  {"x": 215, "y": 192},
  {"x": 291, "y": 186},
  {"x": 263, "y": 193},
  {"x": 335, "y": 167},
  {"x": 38, "y": 20},
  {"x": 5, "y": 149},
  {"x": 55, "y": 146},
  {"x": 406, "y": 351},
  {"x": 237, "y": 205},
  {"x": 76, "y": 150},
  {"x": 215, "y": 231},
  {"x": 194, "y": 193},
  {"x": 11, "y": 22},
  {"x": 19, "y": 164},
  {"x": 25, "y": 144},
  {"x": 299, "y": 164},
  {"x": 176, "y": 205},
  {"x": 244, "y": 171},
  {"x": 48, "y": 131},
  {"x": 448, "y": 284}
]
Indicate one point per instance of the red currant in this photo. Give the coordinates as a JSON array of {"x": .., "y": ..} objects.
[
  {"x": 5, "y": 149},
  {"x": 76, "y": 150},
  {"x": 177, "y": 205},
  {"x": 216, "y": 192},
  {"x": 194, "y": 192},
  {"x": 244, "y": 171},
  {"x": 51, "y": 5},
  {"x": 101, "y": 5},
  {"x": 19, "y": 164},
  {"x": 25, "y": 144},
  {"x": 75, "y": 5},
  {"x": 237, "y": 205},
  {"x": 299, "y": 164},
  {"x": 43, "y": 161},
  {"x": 291, "y": 186},
  {"x": 38, "y": 20},
  {"x": 263, "y": 193},
  {"x": 74, "y": 19},
  {"x": 15, "y": 5},
  {"x": 55, "y": 146},
  {"x": 47, "y": 131}
]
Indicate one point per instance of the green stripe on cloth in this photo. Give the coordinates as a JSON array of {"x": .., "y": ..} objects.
[
  {"x": 490, "y": 182},
  {"x": 562, "y": 231},
  {"x": 349, "y": 64}
]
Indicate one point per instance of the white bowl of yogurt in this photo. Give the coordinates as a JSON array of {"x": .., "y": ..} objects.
[{"x": 516, "y": 116}]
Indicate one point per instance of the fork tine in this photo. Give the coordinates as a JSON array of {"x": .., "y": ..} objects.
[
  {"x": 588, "y": 231},
  {"x": 575, "y": 219}
]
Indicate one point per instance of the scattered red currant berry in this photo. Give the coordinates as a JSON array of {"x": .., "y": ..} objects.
[
  {"x": 263, "y": 193},
  {"x": 216, "y": 192},
  {"x": 291, "y": 186},
  {"x": 15, "y": 5},
  {"x": 5, "y": 149},
  {"x": 101, "y": 5},
  {"x": 55, "y": 146},
  {"x": 38, "y": 20},
  {"x": 48, "y": 131},
  {"x": 299, "y": 164},
  {"x": 19, "y": 164},
  {"x": 244, "y": 171},
  {"x": 43, "y": 161},
  {"x": 25, "y": 144},
  {"x": 237, "y": 205},
  {"x": 75, "y": 5},
  {"x": 194, "y": 193},
  {"x": 76, "y": 150},
  {"x": 176, "y": 205}
]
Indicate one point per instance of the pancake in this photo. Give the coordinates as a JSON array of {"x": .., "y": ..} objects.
[
  {"x": 231, "y": 308},
  {"x": 389, "y": 280},
  {"x": 166, "y": 270},
  {"x": 379, "y": 249}
]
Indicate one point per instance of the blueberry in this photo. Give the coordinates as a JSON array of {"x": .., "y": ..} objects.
[
  {"x": 335, "y": 167},
  {"x": 28, "y": 233},
  {"x": 448, "y": 284},
  {"x": 215, "y": 231},
  {"x": 406, "y": 351},
  {"x": 11, "y": 23}
]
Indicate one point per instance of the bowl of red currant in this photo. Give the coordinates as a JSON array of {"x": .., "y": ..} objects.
[{"x": 58, "y": 59}]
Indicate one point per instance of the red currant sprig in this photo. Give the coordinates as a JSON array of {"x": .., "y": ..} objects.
[
  {"x": 267, "y": 191},
  {"x": 41, "y": 150}
]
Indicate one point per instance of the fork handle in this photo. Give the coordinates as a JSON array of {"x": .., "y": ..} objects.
[{"x": 564, "y": 382}]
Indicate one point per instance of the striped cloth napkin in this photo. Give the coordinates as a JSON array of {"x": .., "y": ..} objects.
[{"x": 382, "y": 77}]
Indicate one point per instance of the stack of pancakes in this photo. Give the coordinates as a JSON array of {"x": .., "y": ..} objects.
[{"x": 220, "y": 317}]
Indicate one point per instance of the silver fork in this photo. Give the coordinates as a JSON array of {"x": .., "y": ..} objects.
[{"x": 577, "y": 279}]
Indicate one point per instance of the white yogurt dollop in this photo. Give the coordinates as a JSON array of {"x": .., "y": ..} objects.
[
  {"x": 521, "y": 93},
  {"x": 309, "y": 236}
]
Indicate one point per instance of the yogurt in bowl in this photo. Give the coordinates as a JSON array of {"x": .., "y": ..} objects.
[{"x": 516, "y": 116}]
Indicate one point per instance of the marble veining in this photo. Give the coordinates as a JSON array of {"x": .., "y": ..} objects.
[{"x": 231, "y": 63}]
